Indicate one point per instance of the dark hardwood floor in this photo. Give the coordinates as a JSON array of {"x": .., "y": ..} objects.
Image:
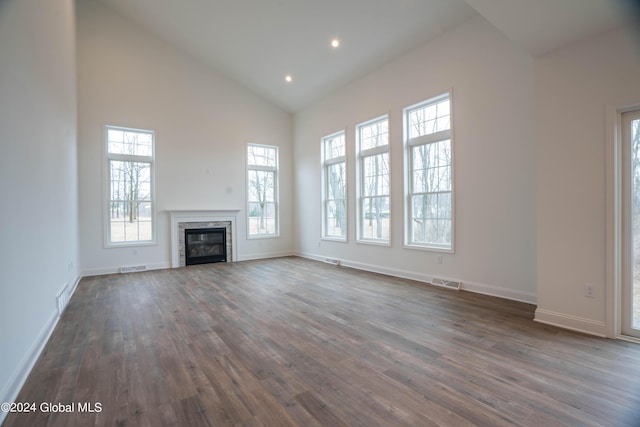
[{"x": 292, "y": 342}]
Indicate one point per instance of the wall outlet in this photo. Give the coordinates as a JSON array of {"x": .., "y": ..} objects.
[
  {"x": 439, "y": 259},
  {"x": 589, "y": 290}
]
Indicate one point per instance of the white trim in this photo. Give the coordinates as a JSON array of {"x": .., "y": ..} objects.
[
  {"x": 629, "y": 339},
  {"x": 324, "y": 163},
  {"x": 361, "y": 155},
  {"x": 276, "y": 190},
  {"x": 624, "y": 174},
  {"x": 466, "y": 285},
  {"x": 265, "y": 255},
  {"x": 407, "y": 145},
  {"x": 429, "y": 248},
  {"x": 613, "y": 215},
  {"x": 16, "y": 381},
  {"x": 334, "y": 239},
  {"x": 116, "y": 269},
  {"x": 613, "y": 221},
  {"x": 573, "y": 323},
  {"x": 106, "y": 187},
  {"x": 11, "y": 389},
  {"x": 375, "y": 242},
  {"x": 335, "y": 160},
  {"x": 177, "y": 216},
  {"x": 74, "y": 287},
  {"x": 431, "y": 137},
  {"x": 500, "y": 292}
]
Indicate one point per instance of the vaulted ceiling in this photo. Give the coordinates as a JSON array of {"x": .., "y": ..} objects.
[{"x": 259, "y": 42}]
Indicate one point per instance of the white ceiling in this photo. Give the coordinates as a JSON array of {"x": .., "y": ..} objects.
[
  {"x": 258, "y": 42},
  {"x": 540, "y": 26}
]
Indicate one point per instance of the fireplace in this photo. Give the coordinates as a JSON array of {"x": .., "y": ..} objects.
[
  {"x": 205, "y": 245},
  {"x": 183, "y": 219}
]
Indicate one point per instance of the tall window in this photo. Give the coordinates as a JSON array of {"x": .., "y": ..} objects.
[
  {"x": 630, "y": 230},
  {"x": 334, "y": 192},
  {"x": 429, "y": 181},
  {"x": 373, "y": 180},
  {"x": 262, "y": 191},
  {"x": 130, "y": 204}
]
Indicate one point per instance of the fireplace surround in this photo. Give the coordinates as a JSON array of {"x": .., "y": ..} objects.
[{"x": 193, "y": 219}]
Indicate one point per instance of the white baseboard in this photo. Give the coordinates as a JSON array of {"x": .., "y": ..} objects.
[
  {"x": 466, "y": 285},
  {"x": 10, "y": 391},
  {"x": 574, "y": 323},
  {"x": 264, "y": 255},
  {"x": 13, "y": 387},
  {"x": 113, "y": 270},
  {"x": 74, "y": 287},
  {"x": 483, "y": 288}
]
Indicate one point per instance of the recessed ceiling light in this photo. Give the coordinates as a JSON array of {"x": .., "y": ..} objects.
[
  {"x": 288, "y": 78},
  {"x": 335, "y": 43}
]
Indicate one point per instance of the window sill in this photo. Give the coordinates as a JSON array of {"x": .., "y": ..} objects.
[
  {"x": 373, "y": 242},
  {"x": 334, "y": 239},
  {"x": 263, "y": 236},
  {"x": 130, "y": 244},
  {"x": 426, "y": 248}
]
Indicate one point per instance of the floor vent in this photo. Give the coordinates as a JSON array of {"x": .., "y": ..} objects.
[
  {"x": 450, "y": 284},
  {"x": 133, "y": 268},
  {"x": 62, "y": 299},
  {"x": 333, "y": 261}
]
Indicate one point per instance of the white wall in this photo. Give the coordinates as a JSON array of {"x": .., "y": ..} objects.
[
  {"x": 202, "y": 121},
  {"x": 493, "y": 113},
  {"x": 574, "y": 86},
  {"x": 38, "y": 178}
]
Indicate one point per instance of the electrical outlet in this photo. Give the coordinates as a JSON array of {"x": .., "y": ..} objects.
[
  {"x": 439, "y": 259},
  {"x": 589, "y": 290}
]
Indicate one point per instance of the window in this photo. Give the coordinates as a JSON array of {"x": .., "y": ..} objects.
[
  {"x": 630, "y": 230},
  {"x": 334, "y": 191},
  {"x": 429, "y": 180},
  {"x": 262, "y": 191},
  {"x": 373, "y": 180},
  {"x": 130, "y": 204}
]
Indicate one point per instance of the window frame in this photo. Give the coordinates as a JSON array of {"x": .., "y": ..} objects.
[
  {"x": 276, "y": 190},
  {"x": 361, "y": 156},
  {"x": 108, "y": 157},
  {"x": 423, "y": 140},
  {"x": 326, "y": 163}
]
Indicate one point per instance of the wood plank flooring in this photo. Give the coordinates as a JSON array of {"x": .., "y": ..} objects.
[{"x": 293, "y": 342}]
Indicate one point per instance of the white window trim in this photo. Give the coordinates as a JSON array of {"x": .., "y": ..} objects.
[
  {"x": 323, "y": 185},
  {"x": 360, "y": 155},
  {"x": 106, "y": 180},
  {"x": 425, "y": 139},
  {"x": 614, "y": 226},
  {"x": 276, "y": 190}
]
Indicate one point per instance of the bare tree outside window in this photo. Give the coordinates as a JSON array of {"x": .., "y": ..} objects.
[
  {"x": 430, "y": 180},
  {"x": 335, "y": 186},
  {"x": 336, "y": 199},
  {"x": 130, "y": 164},
  {"x": 262, "y": 162},
  {"x": 635, "y": 220},
  {"x": 374, "y": 186},
  {"x": 432, "y": 193}
]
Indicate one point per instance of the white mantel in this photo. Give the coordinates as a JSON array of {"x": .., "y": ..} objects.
[{"x": 178, "y": 216}]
